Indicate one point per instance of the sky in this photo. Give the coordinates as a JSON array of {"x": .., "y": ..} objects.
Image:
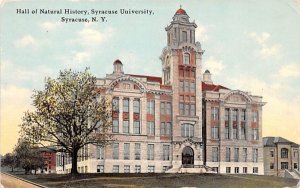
[{"x": 249, "y": 45}]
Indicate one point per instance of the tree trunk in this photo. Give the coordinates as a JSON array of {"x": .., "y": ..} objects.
[
  {"x": 74, "y": 162},
  {"x": 12, "y": 168}
]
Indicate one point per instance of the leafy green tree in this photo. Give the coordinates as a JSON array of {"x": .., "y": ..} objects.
[
  {"x": 67, "y": 113},
  {"x": 9, "y": 160},
  {"x": 28, "y": 156}
]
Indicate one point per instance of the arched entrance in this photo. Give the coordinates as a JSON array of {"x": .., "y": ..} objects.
[{"x": 187, "y": 156}]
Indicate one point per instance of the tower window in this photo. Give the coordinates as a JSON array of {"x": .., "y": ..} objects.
[
  {"x": 184, "y": 36},
  {"x": 186, "y": 59}
]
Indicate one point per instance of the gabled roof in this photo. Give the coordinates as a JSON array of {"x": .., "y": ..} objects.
[
  {"x": 149, "y": 78},
  {"x": 212, "y": 87},
  {"x": 272, "y": 141}
]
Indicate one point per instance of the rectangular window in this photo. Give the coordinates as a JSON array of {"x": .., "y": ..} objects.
[
  {"x": 136, "y": 106},
  {"x": 126, "y": 126},
  {"x": 295, "y": 166},
  {"x": 271, "y": 165},
  {"x": 234, "y": 133},
  {"x": 136, "y": 127},
  {"x": 244, "y": 155},
  {"x": 115, "y": 151},
  {"x": 150, "y": 128},
  {"x": 100, "y": 168},
  {"x": 115, "y": 168},
  {"x": 151, "y": 107},
  {"x": 162, "y": 108},
  {"x": 214, "y": 132},
  {"x": 192, "y": 87},
  {"x": 137, "y": 151},
  {"x": 115, "y": 128},
  {"x": 245, "y": 170},
  {"x": 255, "y": 170},
  {"x": 272, "y": 153},
  {"x": 255, "y": 155},
  {"x": 151, "y": 169},
  {"x": 184, "y": 36},
  {"x": 166, "y": 152},
  {"x": 255, "y": 134},
  {"x": 150, "y": 152},
  {"x": 234, "y": 115},
  {"x": 165, "y": 129},
  {"x": 181, "y": 108},
  {"x": 227, "y": 136},
  {"x": 100, "y": 152},
  {"x": 236, "y": 170},
  {"x": 137, "y": 168},
  {"x": 187, "y": 130},
  {"x": 125, "y": 105},
  {"x": 243, "y": 115},
  {"x": 168, "y": 108},
  {"x": 181, "y": 86},
  {"x": 215, "y": 154},
  {"x": 254, "y": 116},
  {"x": 215, "y": 113},
  {"x": 126, "y": 168},
  {"x": 186, "y": 109},
  {"x": 243, "y": 133},
  {"x": 236, "y": 154},
  {"x": 115, "y": 104},
  {"x": 227, "y": 114},
  {"x": 228, "y": 154},
  {"x": 126, "y": 151},
  {"x": 228, "y": 169},
  {"x": 186, "y": 86},
  {"x": 296, "y": 154},
  {"x": 193, "y": 109}
]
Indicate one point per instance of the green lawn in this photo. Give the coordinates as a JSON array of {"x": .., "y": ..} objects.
[{"x": 160, "y": 180}]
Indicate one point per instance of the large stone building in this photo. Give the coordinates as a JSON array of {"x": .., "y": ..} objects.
[
  {"x": 177, "y": 122},
  {"x": 281, "y": 157}
]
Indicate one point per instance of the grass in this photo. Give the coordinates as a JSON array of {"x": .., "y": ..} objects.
[{"x": 160, "y": 180}]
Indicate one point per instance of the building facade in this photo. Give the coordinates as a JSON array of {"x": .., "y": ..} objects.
[
  {"x": 164, "y": 124},
  {"x": 280, "y": 156}
]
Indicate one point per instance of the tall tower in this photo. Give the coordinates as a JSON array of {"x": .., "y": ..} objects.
[{"x": 181, "y": 69}]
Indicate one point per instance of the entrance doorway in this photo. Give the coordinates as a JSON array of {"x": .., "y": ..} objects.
[{"x": 187, "y": 157}]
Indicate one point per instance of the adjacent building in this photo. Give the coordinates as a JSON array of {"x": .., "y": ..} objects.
[
  {"x": 178, "y": 121},
  {"x": 280, "y": 155}
]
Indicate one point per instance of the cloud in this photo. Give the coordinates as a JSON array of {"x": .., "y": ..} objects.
[
  {"x": 290, "y": 70},
  {"x": 76, "y": 59},
  {"x": 49, "y": 25},
  {"x": 89, "y": 36},
  {"x": 25, "y": 41},
  {"x": 14, "y": 102},
  {"x": 213, "y": 65},
  {"x": 266, "y": 50},
  {"x": 201, "y": 33}
]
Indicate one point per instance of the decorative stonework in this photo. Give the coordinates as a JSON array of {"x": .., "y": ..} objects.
[
  {"x": 127, "y": 78},
  {"x": 238, "y": 92}
]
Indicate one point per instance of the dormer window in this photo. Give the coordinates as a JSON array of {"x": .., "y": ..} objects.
[{"x": 186, "y": 58}]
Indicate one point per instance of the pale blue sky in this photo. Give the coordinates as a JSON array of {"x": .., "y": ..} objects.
[{"x": 249, "y": 45}]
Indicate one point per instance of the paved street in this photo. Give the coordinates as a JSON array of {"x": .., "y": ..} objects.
[{"x": 11, "y": 182}]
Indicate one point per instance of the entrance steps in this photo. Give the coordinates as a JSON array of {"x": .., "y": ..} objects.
[
  {"x": 190, "y": 169},
  {"x": 292, "y": 174}
]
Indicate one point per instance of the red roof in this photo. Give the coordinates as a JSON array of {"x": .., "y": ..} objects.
[
  {"x": 180, "y": 11},
  {"x": 149, "y": 78},
  {"x": 211, "y": 87}
]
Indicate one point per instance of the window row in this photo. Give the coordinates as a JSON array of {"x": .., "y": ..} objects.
[
  {"x": 187, "y": 109},
  {"x": 115, "y": 105},
  {"x": 234, "y": 133},
  {"x": 187, "y": 86},
  {"x": 187, "y": 73},
  {"x": 127, "y": 169},
  {"x": 235, "y": 155},
  {"x": 137, "y": 152},
  {"x": 136, "y": 126},
  {"x": 245, "y": 170}
]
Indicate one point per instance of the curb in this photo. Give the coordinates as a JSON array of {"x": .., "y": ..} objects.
[{"x": 39, "y": 185}]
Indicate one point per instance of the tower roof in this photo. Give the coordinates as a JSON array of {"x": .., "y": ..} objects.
[
  {"x": 117, "y": 62},
  {"x": 181, "y": 11}
]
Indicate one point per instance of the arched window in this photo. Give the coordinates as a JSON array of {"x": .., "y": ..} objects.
[
  {"x": 186, "y": 58},
  {"x": 187, "y": 130},
  {"x": 284, "y": 153}
]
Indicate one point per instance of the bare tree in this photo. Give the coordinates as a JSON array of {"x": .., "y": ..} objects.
[{"x": 68, "y": 111}]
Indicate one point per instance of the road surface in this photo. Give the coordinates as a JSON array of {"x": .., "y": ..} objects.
[{"x": 12, "y": 182}]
